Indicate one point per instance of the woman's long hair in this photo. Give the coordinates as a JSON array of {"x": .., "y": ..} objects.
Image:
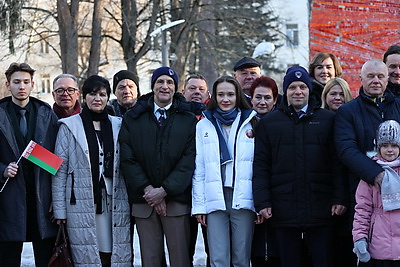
[
  {"x": 331, "y": 83},
  {"x": 241, "y": 100}
]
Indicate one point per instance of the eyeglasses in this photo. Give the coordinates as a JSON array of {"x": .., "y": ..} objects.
[{"x": 69, "y": 90}]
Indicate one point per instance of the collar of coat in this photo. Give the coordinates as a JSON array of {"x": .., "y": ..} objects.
[
  {"x": 388, "y": 96},
  {"x": 145, "y": 103},
  {"x": 290, "y": 112}
]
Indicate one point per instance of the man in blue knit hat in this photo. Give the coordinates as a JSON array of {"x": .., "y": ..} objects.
[
  {"x": 157, "y": 161},
  {"x": 297, "y": 180}
]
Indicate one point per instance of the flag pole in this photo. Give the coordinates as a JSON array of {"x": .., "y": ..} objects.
[{"x": 8, "y": 178}]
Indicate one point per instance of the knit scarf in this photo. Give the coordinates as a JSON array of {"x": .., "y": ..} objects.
[
  {"x": 61, "y": 113},
  {"x": 88, "y": 117},
  {"x": 226, "y": 118}
]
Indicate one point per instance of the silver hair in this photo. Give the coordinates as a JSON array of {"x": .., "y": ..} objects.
[{"x": 65, "y": 75}]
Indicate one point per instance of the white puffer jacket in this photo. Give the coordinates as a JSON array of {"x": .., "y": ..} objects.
[
  {"x": 72, "y": 147},
  {"x": 207, "y": 190}
]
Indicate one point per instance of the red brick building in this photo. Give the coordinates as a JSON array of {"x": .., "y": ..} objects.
[{"x": 355, "y": 31}]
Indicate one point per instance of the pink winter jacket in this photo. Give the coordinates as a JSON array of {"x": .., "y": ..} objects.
[{"x": 380, "y": 228}]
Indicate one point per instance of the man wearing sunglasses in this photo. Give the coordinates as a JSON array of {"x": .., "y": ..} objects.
[{"x": 66, "y": 96}]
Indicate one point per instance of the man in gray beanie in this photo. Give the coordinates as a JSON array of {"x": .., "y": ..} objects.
[{"x": 297, "y": 179}]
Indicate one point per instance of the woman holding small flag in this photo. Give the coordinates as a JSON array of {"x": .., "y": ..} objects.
[{"x": 88, "y": 191}]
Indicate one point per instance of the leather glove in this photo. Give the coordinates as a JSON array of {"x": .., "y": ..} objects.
[{"x": 360, "y": 249}]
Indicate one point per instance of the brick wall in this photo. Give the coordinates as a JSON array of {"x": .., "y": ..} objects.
[{"x": 355, "y": 31}]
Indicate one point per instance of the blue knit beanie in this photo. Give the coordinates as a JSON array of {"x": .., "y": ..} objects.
[
  {"x": 164, "y": 71},
  {"x": 296, "y": 73}
]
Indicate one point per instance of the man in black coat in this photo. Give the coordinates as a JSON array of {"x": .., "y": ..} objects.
[
  {"x": 25, "y": 200},
  {"x": 157, "y": 161},
  {"x": 296, "y": 175}
]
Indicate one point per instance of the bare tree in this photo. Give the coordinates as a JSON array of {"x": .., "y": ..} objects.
[
  {"x": 207, "y": 41},
  {"x": 95, "y": 44},
  {"x": 67, "y": 19}
]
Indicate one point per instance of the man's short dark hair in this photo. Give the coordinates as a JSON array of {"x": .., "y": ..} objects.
[
  {"x": 194, "y": 76},
  {"x": 14, "y": 67},
  {"x": 393, "y": 49}
]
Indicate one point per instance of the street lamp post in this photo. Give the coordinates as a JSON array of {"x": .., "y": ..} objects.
[{"x": 164, "y": 47}]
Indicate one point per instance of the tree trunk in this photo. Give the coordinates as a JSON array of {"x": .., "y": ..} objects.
[
  {"x": 67, "y": 17},
  {"x": 129, "y": 29},
  {"x": 207, "y": 42},
  {"x": 183, "y": 35},
  {"x": 95, "y": 44}
]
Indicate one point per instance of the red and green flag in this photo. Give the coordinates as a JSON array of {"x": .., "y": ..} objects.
[{"x": 42, "y": 157}]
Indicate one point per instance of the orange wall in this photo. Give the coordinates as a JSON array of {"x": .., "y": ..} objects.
[{"x": 355, "y": 31}]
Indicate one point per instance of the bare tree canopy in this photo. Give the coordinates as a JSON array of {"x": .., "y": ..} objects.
[{"x": 216, "y": 33}]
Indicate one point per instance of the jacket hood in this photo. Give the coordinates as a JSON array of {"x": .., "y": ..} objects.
[{"x": 289, "y": 110}]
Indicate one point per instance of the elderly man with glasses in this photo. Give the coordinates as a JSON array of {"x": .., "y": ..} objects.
[{"x": 66, "y": 95}]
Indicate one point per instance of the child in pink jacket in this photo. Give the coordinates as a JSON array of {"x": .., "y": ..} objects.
[{"x": 376, "y": 225}]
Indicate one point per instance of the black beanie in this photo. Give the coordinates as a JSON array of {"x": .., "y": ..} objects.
[
  {"x": 94, "y": 83},
  {"x": 122, "y": 75}
]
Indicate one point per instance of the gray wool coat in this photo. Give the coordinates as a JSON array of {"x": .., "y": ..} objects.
[{"x": 72, "y": 147}]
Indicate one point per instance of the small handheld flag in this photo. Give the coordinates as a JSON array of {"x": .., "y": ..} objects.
[{"x": 41, "y": 157}]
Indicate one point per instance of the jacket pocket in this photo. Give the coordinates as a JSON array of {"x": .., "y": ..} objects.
[
  {"x": 320, "y": 201},
  {"x": 284, "y": 205}
]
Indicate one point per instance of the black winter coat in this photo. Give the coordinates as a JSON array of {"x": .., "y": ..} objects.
[
  {"x": 295, "y": 170},
  {"x": 151, "y": 155},
  {"x": 13, "y": 206},
  {"x": 355, "y": 128}
]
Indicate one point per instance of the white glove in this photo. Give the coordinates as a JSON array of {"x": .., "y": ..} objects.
[{"x": 360, "y": 249}]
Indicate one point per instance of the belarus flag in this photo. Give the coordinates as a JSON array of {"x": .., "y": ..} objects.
[{"x": 42, "y": 157}]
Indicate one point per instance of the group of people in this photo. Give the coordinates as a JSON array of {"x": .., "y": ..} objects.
[{"x": 272, "y": 179}]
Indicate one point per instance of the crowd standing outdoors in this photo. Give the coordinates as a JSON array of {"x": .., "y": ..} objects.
[{"x": 307, "y": 178}]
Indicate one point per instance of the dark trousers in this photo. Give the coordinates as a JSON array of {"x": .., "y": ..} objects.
[
  {"x": 291, "y": 245},
  {"x": 10, "y": 252},
  {"x": 264, "y": 250}
]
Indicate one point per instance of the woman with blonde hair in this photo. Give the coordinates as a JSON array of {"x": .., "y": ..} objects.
[{"x": 336, "y": 93}]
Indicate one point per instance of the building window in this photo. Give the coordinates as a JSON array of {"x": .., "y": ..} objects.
[
  {"x": 44, "y": 47},
  {"x": 292, "y": 35},
  {"x": 45, "y": 78}
]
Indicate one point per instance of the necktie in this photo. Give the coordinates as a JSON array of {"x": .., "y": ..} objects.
[
  {"x": 300, "y": 113},
  {"x": 161, "y": 119},
  {"x": 22, "y": 122}
]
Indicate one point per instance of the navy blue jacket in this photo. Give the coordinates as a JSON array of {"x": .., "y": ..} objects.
[
  {"x": 296, "y": 170},
  {"x": 356, "y": 124}
]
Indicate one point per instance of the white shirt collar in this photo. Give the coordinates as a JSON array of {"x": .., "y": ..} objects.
[{"x": 156, "y": 107}]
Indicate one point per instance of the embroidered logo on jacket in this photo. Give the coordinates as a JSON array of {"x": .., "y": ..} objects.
[{"x": 206, "y": 134}]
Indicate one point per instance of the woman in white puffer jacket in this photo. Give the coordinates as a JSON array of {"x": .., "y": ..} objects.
[{"x": 222, "y": 197}]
